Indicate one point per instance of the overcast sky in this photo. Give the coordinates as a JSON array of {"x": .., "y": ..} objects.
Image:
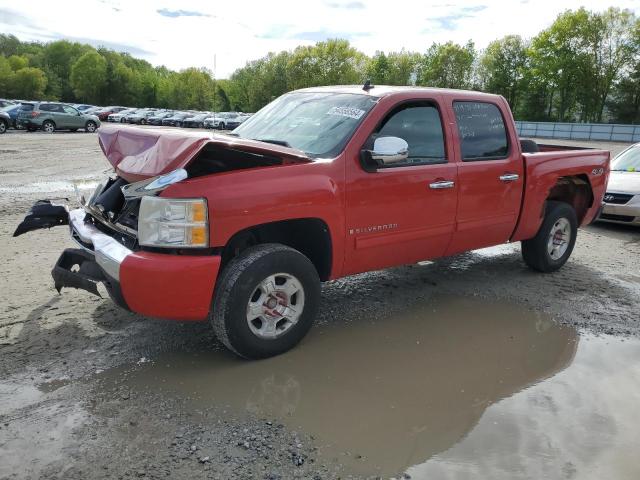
[{"x": 188, "y": 33}]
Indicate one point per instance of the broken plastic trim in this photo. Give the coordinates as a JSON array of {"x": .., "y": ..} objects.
[
  {"x": 154, "y": 185},
  {"x": 43, "y": 214},
  {"x": 87, "y": 275}
]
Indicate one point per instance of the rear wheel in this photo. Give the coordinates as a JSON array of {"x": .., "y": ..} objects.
[
  {"x": 265, "y": 301},
  {"x": 222, "y": 126},
  {"x": 90, "y": 126},
  {"x": 143, "y": 122},
  {"x": 552, "y": 246},
  {"x": 3, "y": 126},
  {"x": 48, "y": 126}
]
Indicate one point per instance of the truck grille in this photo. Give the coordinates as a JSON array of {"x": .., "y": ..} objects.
[{"x": 617, "y": 198}]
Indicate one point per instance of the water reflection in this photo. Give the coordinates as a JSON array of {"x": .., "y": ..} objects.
[{"x": 392, "y": 392}]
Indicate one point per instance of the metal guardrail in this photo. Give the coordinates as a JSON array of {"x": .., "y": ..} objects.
[{"x": 580, "y": 131}]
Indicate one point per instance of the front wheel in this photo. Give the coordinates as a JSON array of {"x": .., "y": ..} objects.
[
  {"x": 90, "y": 127},
  {"x": 552, "y": 246},
  {"x": 266, "y": 300},
  {"x": 3, "y": 126}
]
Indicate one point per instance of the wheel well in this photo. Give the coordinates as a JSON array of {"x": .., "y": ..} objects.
[
  {"x": 574, "y": 190},
  {"x": 310, "y": 236}
]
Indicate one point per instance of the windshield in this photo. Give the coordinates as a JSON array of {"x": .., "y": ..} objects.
[
  {"x": 627, "y": 161},
  {"x": 318, "y": 123}
]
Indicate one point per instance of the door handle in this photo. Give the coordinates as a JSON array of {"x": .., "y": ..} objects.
[
  {"x": 509, "y": 177},
  {"x": 442, "y": 184}
]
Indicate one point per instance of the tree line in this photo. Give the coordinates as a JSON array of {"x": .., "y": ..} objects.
[{"x": 584, "y": 67}]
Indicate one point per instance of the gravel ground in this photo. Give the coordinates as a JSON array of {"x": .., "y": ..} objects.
[{"x": 59, "y": 419}]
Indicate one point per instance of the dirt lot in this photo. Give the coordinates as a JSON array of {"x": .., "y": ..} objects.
[{"x": 467, "y": 367}]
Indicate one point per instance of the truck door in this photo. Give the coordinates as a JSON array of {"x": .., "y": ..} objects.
[
  {"x": 404, "y": 212},
  {"x": 490, "y": 177}
]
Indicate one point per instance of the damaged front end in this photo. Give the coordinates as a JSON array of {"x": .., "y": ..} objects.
[{"x": 107, "y": 229}]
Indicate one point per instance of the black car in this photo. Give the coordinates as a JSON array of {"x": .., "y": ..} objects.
[
  {"x": 196, "y": 121},
  {"x": 176, "y": 119},
  {"x": 159, "y": 117}
]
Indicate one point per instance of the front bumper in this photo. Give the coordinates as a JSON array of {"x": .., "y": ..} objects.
[
  {"x": 163, "y": 285},
  {"x": 628, "y": 213}
]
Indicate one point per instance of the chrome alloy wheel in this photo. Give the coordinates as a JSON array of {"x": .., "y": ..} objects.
[
  {"x": 559, "y": 238},
  {"x": 275, "y": 305}
]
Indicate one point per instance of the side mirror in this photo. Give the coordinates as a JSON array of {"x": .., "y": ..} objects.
[{"x": 389, "y": 150}]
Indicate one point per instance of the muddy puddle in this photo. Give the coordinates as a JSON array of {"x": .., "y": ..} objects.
[{"x": 456, "y": 388}]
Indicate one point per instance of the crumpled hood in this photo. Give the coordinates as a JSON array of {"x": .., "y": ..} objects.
[
  {"x": 141, "y": 153},
  {"x": 624, "y": 182}
]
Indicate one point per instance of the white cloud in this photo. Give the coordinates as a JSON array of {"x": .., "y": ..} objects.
[{"x": 190, "y": 32}]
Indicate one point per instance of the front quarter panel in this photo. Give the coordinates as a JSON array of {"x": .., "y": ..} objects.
[{"x": 242, "y": 199}]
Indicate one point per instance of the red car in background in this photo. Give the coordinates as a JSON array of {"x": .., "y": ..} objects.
[{"x": 103, "y": 113}]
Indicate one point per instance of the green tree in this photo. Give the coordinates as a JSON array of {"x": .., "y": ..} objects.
[
  {"x": 447, "y": 65},
  {"x": 18, "y": 62},
  {"x": 609, "y": 43},
  {"x": 88, "y": 76},
  {"x": 6, "y": 77},
  {"x": 28, "y": 83},
  {"x": 503, "y": 67}
]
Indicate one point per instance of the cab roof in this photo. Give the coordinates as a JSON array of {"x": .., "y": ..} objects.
[{"x": 380, "y": 91}]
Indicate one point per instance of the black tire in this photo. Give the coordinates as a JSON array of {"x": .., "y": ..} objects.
[
  {"x": 48, "y": 126},
  {"x": 238, "y": 284},
  {"x": 4, "y": 126},
  {"x": 90, "y": 126},
  {"x": 123, "y": 120},
  {"x": 222, "y": 126},
  {"x": 535, "y": 251}
]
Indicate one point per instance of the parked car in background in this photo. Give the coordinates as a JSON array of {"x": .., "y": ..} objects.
[
  {"x": 104, "y": 113},
  {"x": 120, "y": 117},
  {"x": 50, "y": 116},
  {"x": 195, "y": 121},
  {"x": 159, "y": 117},
  {"x": 227, "y": 120},
  {"x": 140, "y": 117},
  {"x": 176, "y": 119},
  {"x": 82, "y": 107},
  {"x": 5, "y": 121},
  {"x": 92, "y": 110},
  {"x": 12, "y": 111},
  {"x": 6, "y": 103},
  {"x": 622, "y": 198}
]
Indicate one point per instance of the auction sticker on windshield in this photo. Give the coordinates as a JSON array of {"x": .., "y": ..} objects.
[{"x": 350, "y": 112}]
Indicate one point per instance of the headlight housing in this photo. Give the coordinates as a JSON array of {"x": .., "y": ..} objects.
[{"x": 173, "y": 222}]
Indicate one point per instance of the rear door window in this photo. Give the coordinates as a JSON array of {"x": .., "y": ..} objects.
[{"x": 482, "y": 131}]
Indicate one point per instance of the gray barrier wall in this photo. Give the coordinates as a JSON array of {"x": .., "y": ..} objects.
[{"x": 580, "y": 131}]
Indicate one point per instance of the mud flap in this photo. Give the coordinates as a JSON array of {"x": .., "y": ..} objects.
[
  {"x": 85, "y": 277},
  {"x": 43, "y": 214}
]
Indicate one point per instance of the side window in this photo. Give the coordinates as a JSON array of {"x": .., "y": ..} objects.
[
  {"x": 482, "y": 132},
  {"x": 70, "y": 110},
  {"x": 45, "y": 107},
  {"x": 420, "y": 126}
]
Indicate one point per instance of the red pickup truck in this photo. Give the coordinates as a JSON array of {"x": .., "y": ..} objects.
[{"x": 241, "y": 229}]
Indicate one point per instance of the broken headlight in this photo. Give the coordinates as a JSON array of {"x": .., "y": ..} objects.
[{"x": 173, "y": 222}]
